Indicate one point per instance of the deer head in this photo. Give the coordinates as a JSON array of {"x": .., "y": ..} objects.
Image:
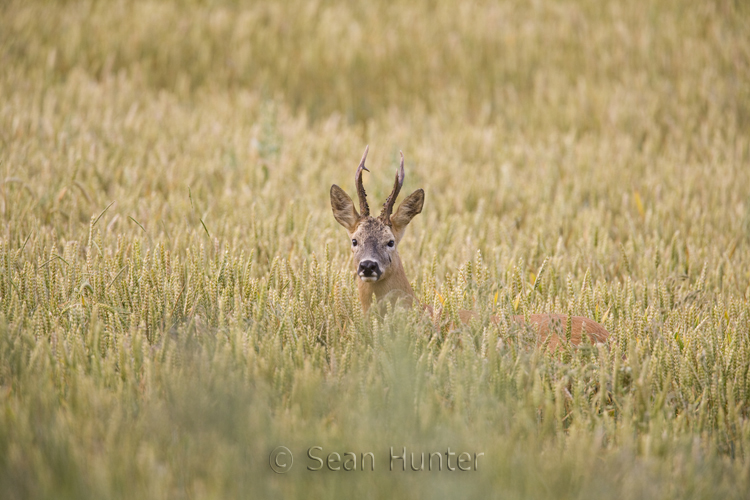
[{"x": 374, "y": 240}]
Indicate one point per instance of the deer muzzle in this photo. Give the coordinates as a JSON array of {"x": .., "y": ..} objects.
[{"x": 369, "y": 271}]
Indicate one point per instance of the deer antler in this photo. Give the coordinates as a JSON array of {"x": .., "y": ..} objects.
[
  {"x": 385, "y": 215},
  {"x": 364, "y": 208}
]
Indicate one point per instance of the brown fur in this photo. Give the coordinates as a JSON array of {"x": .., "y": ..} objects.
[
  {"x": 543, "y": 325},
  {"x": 396, "y": 286}
]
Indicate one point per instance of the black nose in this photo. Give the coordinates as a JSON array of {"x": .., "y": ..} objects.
[{"x": 368, "y": 269}]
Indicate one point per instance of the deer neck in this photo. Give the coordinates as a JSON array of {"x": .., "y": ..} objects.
[{"x": 395, "y": 285}]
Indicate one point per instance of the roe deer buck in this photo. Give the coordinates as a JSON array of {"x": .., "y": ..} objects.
[{"x": 374, "y": 242}]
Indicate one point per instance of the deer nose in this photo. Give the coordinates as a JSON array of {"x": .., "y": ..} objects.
[{"x": 369, "y": 269}]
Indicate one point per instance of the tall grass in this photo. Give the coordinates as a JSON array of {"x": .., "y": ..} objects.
[{"x": 176, "y": 299}]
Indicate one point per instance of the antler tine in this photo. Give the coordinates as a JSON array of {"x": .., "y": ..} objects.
[
  {"x": 385, "y": 215},
  {"x": 364, "y": 208}
]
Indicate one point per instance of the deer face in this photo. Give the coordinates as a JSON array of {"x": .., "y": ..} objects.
[
  {"x": 374, "y": 241},
  {"x": 373, "y": 244}
]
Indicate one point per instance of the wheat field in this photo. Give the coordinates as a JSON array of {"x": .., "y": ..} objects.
[{"x": 177, "y": 301}]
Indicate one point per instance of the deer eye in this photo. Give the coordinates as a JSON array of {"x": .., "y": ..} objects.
[
  {"x": 354, "y": 243},
  {"x": 391, "y": 243}
]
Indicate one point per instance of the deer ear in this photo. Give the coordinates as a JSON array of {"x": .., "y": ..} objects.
[
  {"x": 343, "y": 209},
  {"x": 410, "y": 207}
]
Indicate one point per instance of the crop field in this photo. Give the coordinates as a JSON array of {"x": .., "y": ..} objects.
[{"x": 177, "y": 300}]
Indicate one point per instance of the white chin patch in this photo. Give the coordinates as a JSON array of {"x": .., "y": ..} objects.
[{"x": 368, "y": 279}]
